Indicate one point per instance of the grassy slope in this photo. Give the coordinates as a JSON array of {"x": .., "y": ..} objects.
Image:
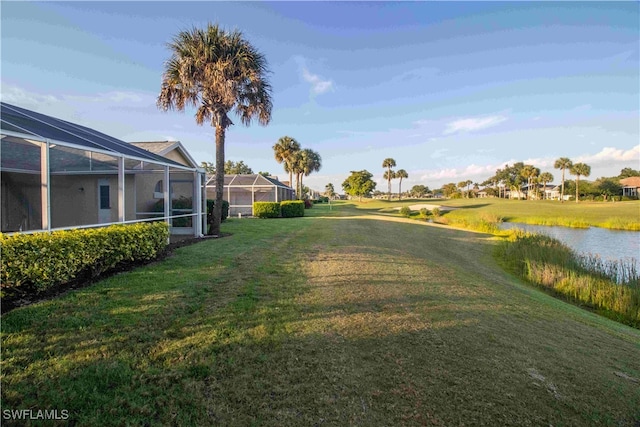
[
  {"x": 342, "y": 318},
  {"x": 551, "y": 212}
]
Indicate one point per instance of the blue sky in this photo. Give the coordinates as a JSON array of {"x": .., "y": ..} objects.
[{"x": 451, "y": 91}]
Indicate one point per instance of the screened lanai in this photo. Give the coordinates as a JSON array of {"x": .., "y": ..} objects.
[
  {"x": 59, "y": 175},
  {"x": 241, "y": 191}
]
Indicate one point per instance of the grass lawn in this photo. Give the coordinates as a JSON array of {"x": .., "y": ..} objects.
[
  {"x": 343, "y": 317},
  {"x": 620, "y": 215}
]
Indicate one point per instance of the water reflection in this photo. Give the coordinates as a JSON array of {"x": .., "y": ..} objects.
[{"x": 608, "y": 244}]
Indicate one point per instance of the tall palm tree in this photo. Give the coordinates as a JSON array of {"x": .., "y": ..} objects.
[
  {"x": 284, "y": 151},
  {"x": 530, "y": 172},
  {"x": 389, "y": 175},
  {"x": 389, "y": 163},
  {"x": 305, "y": 162},
  {"x": 562, "y": 163},
  {"x": 215, "y": 72},
  {"x": 544, "y": 178},
  {"x": 401, "y": 174},
  {"x": 580, "y": 169}
]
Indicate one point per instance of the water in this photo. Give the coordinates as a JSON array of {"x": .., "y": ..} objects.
[{"x": 608, "y": 244}]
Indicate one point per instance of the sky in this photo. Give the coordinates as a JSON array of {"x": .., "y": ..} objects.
[{"x": 451, "y": 90}]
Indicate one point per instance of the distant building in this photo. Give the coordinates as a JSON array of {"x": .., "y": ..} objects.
[
  {"x": 630, "y": 186},
  {"x": 241, "y": 191}
]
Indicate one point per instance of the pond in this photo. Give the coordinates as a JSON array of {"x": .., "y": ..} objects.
[{"x": 608, "y": 244}]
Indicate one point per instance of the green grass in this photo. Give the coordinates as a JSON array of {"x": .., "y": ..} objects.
[
  {"x": 348, "y": 316},
  {"x": 618, "y": 215}
]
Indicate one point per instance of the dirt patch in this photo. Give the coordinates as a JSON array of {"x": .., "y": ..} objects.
[{"x": 85, "y": 280}]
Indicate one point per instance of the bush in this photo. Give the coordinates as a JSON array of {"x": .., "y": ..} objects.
[
  {"x": 266, "y": 209},
  {"x": 32, "y": 263},
  {"x": 210, "y": 204},
  {"x": 436, "y": 212},
  {"x": 405, "y": 211},
  {"x": 424, "y": 212},
  {"x": 307, "y": 204},
  {"x": 181, "y": 203},
  {"x": 292, "y": 208}
]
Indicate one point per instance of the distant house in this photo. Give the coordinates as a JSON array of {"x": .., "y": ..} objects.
[
  {"x": 56, "y": 175},
  {"x": 630, "y": 186},
  {"x": 241, "y": 191},
  {"x": 539, "y": 192}
]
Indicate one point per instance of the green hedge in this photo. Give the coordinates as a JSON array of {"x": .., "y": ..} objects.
[
  {"x": 210, "y": 204},
  {"x": 180, "y": 203},
  {"x": 266, "y": 209},
  {"x": 32, "y": 263},
  {"x": 292, "y": 208}
]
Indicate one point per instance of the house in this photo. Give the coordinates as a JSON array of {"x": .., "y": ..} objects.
[
  {"x": 58, "y": 175},
  {"x": 241, "y": 191},
  {"x": 630, "y": 186}
]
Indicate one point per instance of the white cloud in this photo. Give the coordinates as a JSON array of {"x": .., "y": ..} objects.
[
  {"x": 611, "y": 154},
  {"x": 473, "y": 124},
  {"x": 318, "y": 85},
  {"x": 18, "y": 96}
]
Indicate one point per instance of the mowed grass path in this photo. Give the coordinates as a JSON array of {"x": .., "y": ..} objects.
[{"x": 341, "y": 318}]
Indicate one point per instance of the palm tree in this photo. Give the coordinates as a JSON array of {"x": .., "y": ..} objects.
[
  {"x": 389, "y": 163},
  {"x": 284, "y": 151},
  {"x": 305, "y": 162},
  {"x": 401, "y": 174},
  {"x": 329, "y": 191},
  {"x": 468, "y": 183},
  {"x": 389, "y": 175},
  {"x": 544, "y": 178},
  {"x": 216, "y": 72},
  {"x": 562, "y": 163},
  {"x": 530, "y": 172},
  {"x": 579, "y": 169}
]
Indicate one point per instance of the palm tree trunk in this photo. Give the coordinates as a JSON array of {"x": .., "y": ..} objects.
[
  {"x": 217, "y": 208},
  {"x": 400, "y": 190},
  {"x": 301, "y": 176},
  {"x": 577, "y": 185},
  {"x": 562, "y": 189}
]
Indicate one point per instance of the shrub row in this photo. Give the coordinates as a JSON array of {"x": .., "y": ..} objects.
[
  {"x": 32, "y": 263},
  {"x": 180, "y": 203},
  {"x": 266, "y": 209},
  {"x": 210, "y": 205},
  {"x": 285, "y": 209},
  {"x": 292, "y": 208}
]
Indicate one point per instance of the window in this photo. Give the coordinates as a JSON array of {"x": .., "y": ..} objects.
[{"x": 105, "y": 203}]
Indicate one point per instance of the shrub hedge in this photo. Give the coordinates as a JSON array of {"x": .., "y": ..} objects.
[
  {"x": 180, "y": 203},
  {"x": 32, "y": 263},
  {"x": 266, "y": 209},
  {"x": 292, "y": 208},
  {"x": 405, "y": 211},
  {"x": 210, "y": 204}
]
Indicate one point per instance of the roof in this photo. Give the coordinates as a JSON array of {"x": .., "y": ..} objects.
[
  {"x": 163, "y": 148},
  {"x": 632, "y": 181},
  {"x": 157, "y": 147},
  {"x": 43, "y": 127},
  {"x": 249, "y": 180}
]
